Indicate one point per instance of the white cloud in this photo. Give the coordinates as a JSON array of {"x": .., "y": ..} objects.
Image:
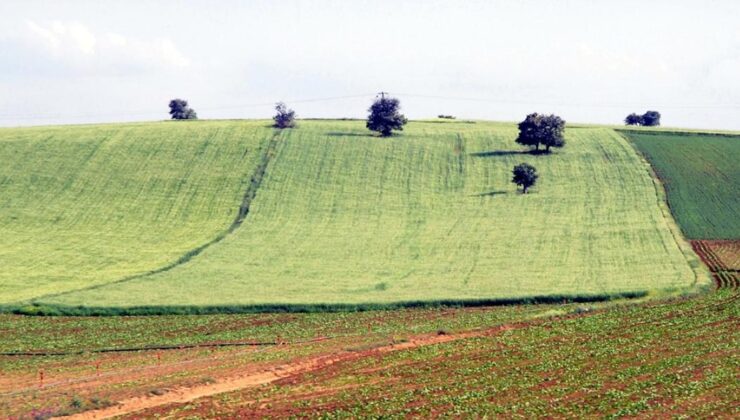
[{"x": 75, "y": 44}]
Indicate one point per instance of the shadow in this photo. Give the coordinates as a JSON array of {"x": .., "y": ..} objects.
[
  {"x": 338, "y": 134},
  {"x": 489, "y": 194},
  {"x": 494, "y": 153}
]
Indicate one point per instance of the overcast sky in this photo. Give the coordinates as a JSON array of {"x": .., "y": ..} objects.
[{"x": 589, "y": 61}]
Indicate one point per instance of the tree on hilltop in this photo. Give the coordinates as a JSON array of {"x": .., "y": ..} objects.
[
  {"x": 385, "y": 117},
  {"x": 633, "y": 119},
  {"x": 179, "y": 110},
  {"x": 525, "y": 175},
  {"x": 285, "y": 117},
  {"x": 539, "y": 129},
  {"x": 648, "y": 119},
  {"x": 651, "y": 119}
]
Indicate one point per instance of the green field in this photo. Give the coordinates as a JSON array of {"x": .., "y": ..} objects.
[
  {"x": 89, "y": 205},
  {"x": 702, "y": 178},
  {"x": 341, "y": 217}
]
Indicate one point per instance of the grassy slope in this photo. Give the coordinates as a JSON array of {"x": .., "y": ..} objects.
[
  {"x": 84, "y": 205},
  {"x": 702, "y": 179},
  {"x": 431, "y": 214}
]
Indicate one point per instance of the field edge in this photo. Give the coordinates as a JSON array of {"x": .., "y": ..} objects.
[
  {"x": 702, "y": 276},
  {"x": 38, "y": 309}
]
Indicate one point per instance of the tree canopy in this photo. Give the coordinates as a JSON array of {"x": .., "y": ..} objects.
[
  {"x": 648, "y": 119},
  {"x": 633, "y": 119},
  {"x": 284, "y": 117},
  {"x": 179, "y": 110},
  {"x": 384, "y": 116},
  {"x": 651, "y": 119},
  {"x": 525, "y": 175},
  {"x": 539, "y": 129}
]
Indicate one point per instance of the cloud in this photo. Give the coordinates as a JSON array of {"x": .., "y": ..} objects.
[{"x": 75, "y": 45}]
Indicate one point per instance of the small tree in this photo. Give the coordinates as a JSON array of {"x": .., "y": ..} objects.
[
  {"x": 542, "y": 129},
  {"x": 384, "y": 116},
  {"x": 651, "y": 119},
  {"x": 633, "y": 119},
  {"x": 179, "y": 110},
  {"x": 524, "y": 175},
  {"x": 284, "y": 118}
]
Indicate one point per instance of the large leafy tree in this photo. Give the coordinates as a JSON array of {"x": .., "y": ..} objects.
[
  {"x": 384, "y": 116},
  {"x": 179, "y": 110},
  {"x": 651, "y": 119},
  {"x": 539, "y": 129},
  {"x": 525, "y": 175}
]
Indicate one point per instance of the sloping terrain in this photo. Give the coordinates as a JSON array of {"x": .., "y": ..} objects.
[
  {"x": 86, "y": 205},
  {"x": 702, "y": 180},
  {"x": 343, "y": 217}
]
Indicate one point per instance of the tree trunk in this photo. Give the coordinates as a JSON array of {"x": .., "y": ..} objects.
[
  {"x": 547, "y": 149},
  {"x": 524, "y": 189}
]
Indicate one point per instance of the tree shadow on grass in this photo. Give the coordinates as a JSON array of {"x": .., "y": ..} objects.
[
  {"x": 494, "y": 153},
  {"x": 490, "y": 193},
  {"x": 339, "y": 134}
]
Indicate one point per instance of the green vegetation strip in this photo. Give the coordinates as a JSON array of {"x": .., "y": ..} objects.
[{"x": 63, "y": 310}]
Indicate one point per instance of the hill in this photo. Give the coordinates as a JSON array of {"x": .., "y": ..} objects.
[
  {"x": 340, "y": 217},
  {"x": 86, "y": 205}
]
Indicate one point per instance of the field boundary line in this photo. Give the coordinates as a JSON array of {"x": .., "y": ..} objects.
[
  {"x": 249, "y": 194},
  {"x": 702, "y": 277}
]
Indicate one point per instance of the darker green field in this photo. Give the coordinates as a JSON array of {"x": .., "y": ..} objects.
[{"x": 701, "y": 175}]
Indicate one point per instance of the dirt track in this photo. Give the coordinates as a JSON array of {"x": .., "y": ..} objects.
[{"x": 183, "y": 395}]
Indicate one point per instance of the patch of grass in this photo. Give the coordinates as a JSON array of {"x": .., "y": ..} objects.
[
  {"x": 88, "y": 205},
  {"x": 701, "y": 176},
  {"x": 340, "y": 213}
]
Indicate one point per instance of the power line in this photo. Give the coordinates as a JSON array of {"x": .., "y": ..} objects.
[
  {"x": 9, "y": 117},
  {"x": 590, "y": 105},
  {"x": 160, "y": 112}
]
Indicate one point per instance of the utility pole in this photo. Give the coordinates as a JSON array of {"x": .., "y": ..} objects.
[{"x": 382, "y": 95}]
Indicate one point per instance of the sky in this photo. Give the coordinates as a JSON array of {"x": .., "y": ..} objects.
[{"x": 588, "y": 61}]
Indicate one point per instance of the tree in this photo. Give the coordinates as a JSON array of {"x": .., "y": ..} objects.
[
  {"x": 384, "y": 116},
  {"x": 524, "y": 175},
  {"x": 651, "y": 119},
  {"x": 633, "y": 119},
  {"x": 552, "y": 128},
  {"x": 179, "y": 110},
  {"x": 284, "y": 118},
  {"x": 542, "y": 129}
]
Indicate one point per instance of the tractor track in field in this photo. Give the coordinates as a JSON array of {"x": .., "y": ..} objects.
[
  {"x": 249, "y": 195},
  {"x": 275, "y": 373}
]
